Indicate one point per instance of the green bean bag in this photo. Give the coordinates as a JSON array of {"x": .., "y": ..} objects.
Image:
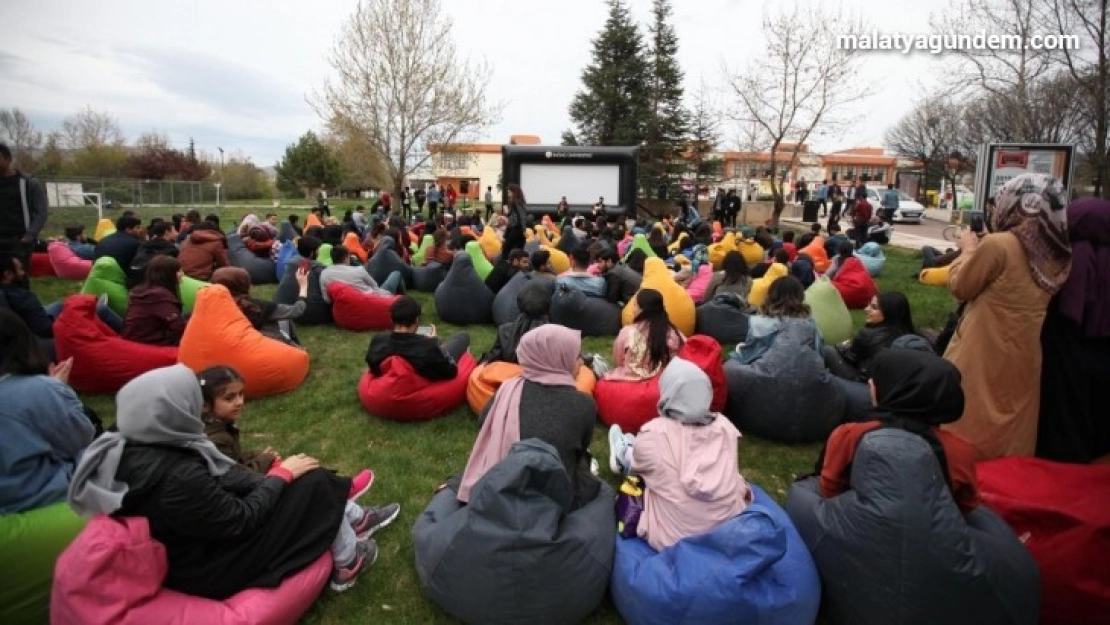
[
  {"x": 30, "y": 542},
  {"x": 188, "y": 292},
  {"x": 107, "y": 278},
  {"x": 323, "y": 256},
  {"x": 639, "y": 242},
  {"x": 420, "y": 252},
  {"x": 830, "y": 312},
  {"x": 481, "y": 263}
]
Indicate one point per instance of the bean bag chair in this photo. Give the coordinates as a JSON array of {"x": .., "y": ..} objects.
[
  {"x": 104, "y": 227},
  {"x": 106, "y": 278},
  {"x": 802, "y": 269},
  {"x": 312, "y": 221},
  {"x": 30, "y": 543},
  {"x": 491, "y": 244},
  {"x": 287, "y": 253},
  {"x": 753, "y": 568},
  {"x": 761, "y": 286},
  {"x": 486, "y": 379},
  {"x": 517, "y": 553},
  {"x": 934, "y": 276},
  {"x": 67, "y": 265},
  {"x": 41, "y": 266},
  {"x": 323, "y": 255},
  {"x": 855, "y": 286},
  {"x": 102, "y": 361},
  {"x": 560, "y": 262},
  {"x": 816, "y": 251},
  {"x": 188, "y": 292},
  {"x": 354, "y": 246},
  {"x": 625, "y": 243},
  {"x": 463, "y": 298},
  {"x": 632, "y": 404},
  {"x": 832, "y": 316},
  {"x": 219, "y": 334},
  {"x": 399, "y": 394},
  {"x": 679, "y": 304},
  {"x": 317, "y": 310},
  {"x": 425, "y": 245},
  {"x": 386, "y": 260},
  {"x": 113, "y": 573},
  {"x": 679, "y": 244},
  {"x": 718, "y": 250},
  {"x": 785, "y": 394},
  {"x": 700, "y": 283},
  {"x": 357, "y": 311},
  {"x": 896, "y": 550},
  {"x": 261, "y": 270},
  {"x": 425, "y": 279},
  {"x": 548, "y": 226},
  {"x": 752, "y": 252},
  {"x": 872, "y": 257},
  {"x": 1061, "y": 514},
  {"x": 481, "y": 264},
  {"x": 723, "y": 319},
  {"x": 592, "y": 316},
  {"x": 639, "y": 242},
  {"x": 504, "y": 308}
]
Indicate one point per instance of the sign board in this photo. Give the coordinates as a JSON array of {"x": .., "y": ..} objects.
[{"x": 999, "y": 163}]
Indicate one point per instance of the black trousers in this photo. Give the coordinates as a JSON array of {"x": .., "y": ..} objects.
[
  {"x": 457, "y": 345},
  {"x": 514, "y": 240}
]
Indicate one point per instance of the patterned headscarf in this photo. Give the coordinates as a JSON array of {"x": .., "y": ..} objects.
[{"x": 1031, "y": 206}]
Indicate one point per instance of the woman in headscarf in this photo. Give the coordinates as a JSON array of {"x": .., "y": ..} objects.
[
  {"x": 1005, "y": 280},
  {"x": 273, "y": 320},
  {"x": 540, "y": 403},
  {"x": 534, "y": 302},
  {"x": 643, "y": 348},
  {"x": 688, "y": 459},
  {"x": 914, "y": 391},
  {"x": 225, "y": 528}
]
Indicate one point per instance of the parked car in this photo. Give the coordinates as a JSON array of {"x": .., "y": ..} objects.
[{"x": 909, "y": 210}]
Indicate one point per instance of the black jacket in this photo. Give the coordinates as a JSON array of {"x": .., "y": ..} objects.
[
  {"x": 26, "y": 304},
  {"x": 422, "y": 352},
  {"x": 13, "y": 223},
  {"x": 868, "y": 342},
  {"x": 143, "y": 255},
  {"x": 120, "y": 246},
  {"x": 623, "y": 283},
  {"x": 502, "y": 272}
]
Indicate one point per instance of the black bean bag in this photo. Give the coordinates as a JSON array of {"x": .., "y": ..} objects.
[
  {"x": 505, "y": 308},
  {"x": 386, "y": 260},
  {"x": 428, "y": 277},
  {"x": 518, "y": 553},
  {"x": 723, "y": 318},
  {"x": 593, "y": 316},
  {"x": 895, "y": 549},
  {"x": 533, "y": 246},
  {"x": 317, "y": 311},
  {"x": 261, "y": 270},
  {"x": 462, "y": 298}
]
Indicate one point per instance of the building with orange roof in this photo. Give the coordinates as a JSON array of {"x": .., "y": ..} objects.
[{"x": 471, "y": 167}]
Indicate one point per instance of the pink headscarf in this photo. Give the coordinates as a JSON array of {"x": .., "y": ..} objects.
[{"x": 548, "y": 355}]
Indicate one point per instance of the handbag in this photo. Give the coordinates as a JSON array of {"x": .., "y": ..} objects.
[{"x": 630, "y": 505}]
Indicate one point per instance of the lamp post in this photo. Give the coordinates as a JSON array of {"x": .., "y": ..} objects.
[{"x": 221, "y": 183}]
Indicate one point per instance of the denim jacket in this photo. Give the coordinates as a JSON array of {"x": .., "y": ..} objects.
[{"x": 761, "y": 336}]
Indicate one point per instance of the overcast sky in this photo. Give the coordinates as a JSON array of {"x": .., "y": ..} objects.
[{"x": 235, "y": 73}]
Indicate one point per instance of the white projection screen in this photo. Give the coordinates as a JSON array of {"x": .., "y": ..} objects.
[{"x": 582, "y": 184}]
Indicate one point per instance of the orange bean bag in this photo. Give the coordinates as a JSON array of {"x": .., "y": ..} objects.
[
  {"x": 487, "y": 378},
  {"x": 400, "y": 394},
  {"x": 816, "y": 251},
  {"x": 855, "y": 284},
  {"x": 352, "y": 243},
  {"x": 357, "y": 311},
  {"x": 312, "y": 221},
  {"x": 67, "y": 265},
  {"x": 679, "y": 304},
  {"x": 41, "y": 267},
  {"x": 102, "y": 361},
  {"x": 219, "y": 334}
]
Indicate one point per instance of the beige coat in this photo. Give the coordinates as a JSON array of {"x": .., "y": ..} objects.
[{"x": 997, "y": 347}]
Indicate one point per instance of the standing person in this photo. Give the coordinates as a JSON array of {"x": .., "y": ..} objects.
[
  {"x": 420, "y": 196},
  {"x": 720, "y": 205},
  {"x": 322, "y": 202},
  {"x": 734, "y": 206},
  {"x": 489, "y": 203},
  {"x": 850, "y": 201},
  {"x": 23, "y": 208},
  {"x": 434, "y": 198},
  {"x": 406, "y": 204},
  {"x": 823, "y": 197},
  {"x": 890, "y": 203},
  {"x": 518, "y": 219},
  {"x": 835, "y": 195},
  {"x": 452, "y": 196},
  {"x": 861, "y": 220}
]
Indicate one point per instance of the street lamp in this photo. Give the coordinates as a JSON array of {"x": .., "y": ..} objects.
[{"x": 221, "y": 183}]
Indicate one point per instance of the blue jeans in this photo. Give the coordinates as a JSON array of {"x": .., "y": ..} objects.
[
  {"x": 394, "y": 283},
  {"x": 110, "y": 317}
]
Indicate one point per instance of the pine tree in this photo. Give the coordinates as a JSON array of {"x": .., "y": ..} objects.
[
  {"x": 307, "y": 165},
  {"x": 667, "y": 122},
  {"x": 611, "y": 108}
]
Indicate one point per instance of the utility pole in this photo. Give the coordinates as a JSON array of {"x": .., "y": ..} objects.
[{"x": 221, "y": 175}]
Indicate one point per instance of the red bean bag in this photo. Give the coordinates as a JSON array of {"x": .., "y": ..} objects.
[
  {"x": 402, "y": 395},
  {"x": 855, "y": 284},
  {"x": 632, "y": 404},
  {"x": 113, "y": 572},
  {"x": 357, "y": 311},
  {"x": 40, "y": 265},
  {"x": 487, "y": 378},
  {"x": 67, "y": 265},
  {"x": 1062, "y": 514},
  {"x": 102, "y": 361}
]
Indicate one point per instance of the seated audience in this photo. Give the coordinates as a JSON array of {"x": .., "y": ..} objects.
[
  {"x": 154, "y": 314},
  {"x": 159, "y": 242},
  {"x": 932, "y": 257},
  {"x": 343, "y": 272},
  {"x": 644, "y": 347},
  {"x": 534, "y": 302},
  {"x": 888, "y": 318},
  {"x": 504, "y": 271},
  {"x": 788, "y": 245},
  {"x": 579, "y": 278},
  {"x": 843, "y": 253},
  {"x": 27, "y": 306},
  {"x": 832, "y": 243},
  {"x": 635, "y": 261},
  {"x": 541, "y": 264},
  {"x": 272, "y": 319},
  {"x": 430, "y": 359},
  {"x": 879, "y": 231},
  {"x": 289, "y": 229},
  {"x": 122, "y": 244},
  {"x": 78, "y": 242},
  {"x": 204, "y": 251},
  {"x": 440, "y": 252},
  {"x": 622, "y": 282}
]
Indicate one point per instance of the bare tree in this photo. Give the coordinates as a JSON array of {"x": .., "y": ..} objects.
[
  {"x": 798, "y": 89},
  {"x": 933, "y": 133},
  {"x": 362, "y": 166},
  {"x": 90, "y": 128},
  {"x": 20, "y": 134},
  {"x": 401, "y": 86}
]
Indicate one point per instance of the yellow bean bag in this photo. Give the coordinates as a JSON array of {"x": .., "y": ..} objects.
[
  {"x": 560, "y": 262},
  {"x": 490, "y": 242},
  {"x": 679, "y": 244},
  {"x": 760, "y": 286},
  {"x": 679, "y": 304},
  {"x": 486, "y": 379},
  {"x": 934, "y": 276},
  {"x": 679, "y": 259},
  {"x": 219, "y": 334},
  {"x": 752, "y": 252},
  {"x": 546, "y": 239},
  {"x": 104, "y": 227},
  {"x": 718, "y": 250}
]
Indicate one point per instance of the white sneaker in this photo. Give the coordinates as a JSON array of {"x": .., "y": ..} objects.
[{"x": 617, "y": 445}]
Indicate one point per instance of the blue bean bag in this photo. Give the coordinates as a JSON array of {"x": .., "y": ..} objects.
[
  {"x": 287, "y": 253},
  {"x": 753, "y": 568},
  {"x": 871, "y": 255}
]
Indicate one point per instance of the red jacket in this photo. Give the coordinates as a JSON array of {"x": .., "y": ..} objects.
[
  {"x": 203, "y": 252},
  {"x": 153, "y": 317}
]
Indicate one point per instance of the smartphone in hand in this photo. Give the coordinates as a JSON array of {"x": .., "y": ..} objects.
[{"x": 424, "y": 330}]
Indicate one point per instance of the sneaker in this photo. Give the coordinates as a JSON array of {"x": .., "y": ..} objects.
[
  {"x": 376, "y": 518},
  {"x": 594, "y": 469},
  {"x": 360, "y": 483},
  {"x": 343, "y": 577},
  {"x": 617, "y": 445}
]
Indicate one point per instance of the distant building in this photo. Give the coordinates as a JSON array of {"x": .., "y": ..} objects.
[{"x": 471, "y": 167}]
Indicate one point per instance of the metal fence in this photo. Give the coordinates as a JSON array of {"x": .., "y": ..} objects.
[{"x": 74, "y": 191}]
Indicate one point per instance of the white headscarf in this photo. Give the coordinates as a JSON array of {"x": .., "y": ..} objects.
[{"x": 685, "y": 393}]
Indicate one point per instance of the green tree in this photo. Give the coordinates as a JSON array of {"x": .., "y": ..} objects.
[
  {"x": 243, "y": 180},
  {"x": 611, "y": 108},
  {"x": 307, "y": 164},
  {"x": 667, "y": 123}
]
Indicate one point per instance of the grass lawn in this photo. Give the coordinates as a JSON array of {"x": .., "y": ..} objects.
[{"x": 324, "y": 418}]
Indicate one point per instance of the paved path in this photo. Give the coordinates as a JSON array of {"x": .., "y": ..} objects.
[{"x": 909, "y": 236}]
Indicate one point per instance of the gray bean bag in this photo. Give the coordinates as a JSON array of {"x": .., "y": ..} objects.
[
  {"x": 786, "y": 394},
  {"x": 593, "y": 316},
  {"x": 261, "y": 270},
  {"x": 317, "y": 311},
  {"x": 386, "y": 260},
  {"x": 517, "y": 553},
  {"x": 895, "y": 550},
  {"x": 462, "y": 298},
  {"x": 428, "y": 277},
  {"x": 505, "y": 308},
  {"x": 723, "y": 318}
]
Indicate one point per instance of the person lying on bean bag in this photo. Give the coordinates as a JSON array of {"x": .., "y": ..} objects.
[
  {"x": 317, "y": 308},
  {"x": 386, "y": 260},
  {"x": 155, "y": 315},
  {"x": 272, "y": 319},
  {"x": 357, "y": 276},
  {"x": 429, "y": 358}
]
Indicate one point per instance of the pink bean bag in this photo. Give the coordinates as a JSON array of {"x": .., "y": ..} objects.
[
  {"x": 402, "y": 395},
  {"x": 700, "y": 283},
  {"x": 113, "y": 573},
  {"x": 357, "y": 311},
  {"x": 67, "y": 265},
  {"x": 632, "y": 404},
  {"x": 40, "y": 265},
  {"x": 1061, "y": 512},
  {"x": 855, "y": 284},
  {"x": 102, "y": 361}
]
